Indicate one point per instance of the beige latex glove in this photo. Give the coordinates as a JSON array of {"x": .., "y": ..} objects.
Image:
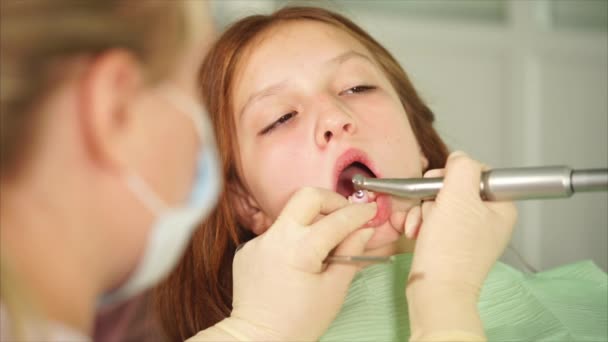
[
  {"x": 459, "y": 238},
  {"x": 282, "y": 289}
]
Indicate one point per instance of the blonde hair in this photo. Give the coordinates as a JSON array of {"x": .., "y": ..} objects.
[
  {"x": 37, "y": 34},
  {"x": 36, "y": 38}
]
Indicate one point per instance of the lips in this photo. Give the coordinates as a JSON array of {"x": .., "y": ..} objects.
[
  {"x": 353, "y": 162},
  {"x": 349, "y": 158}
]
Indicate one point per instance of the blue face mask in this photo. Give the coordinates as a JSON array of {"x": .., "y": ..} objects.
[{"x": 173, "y": 228}]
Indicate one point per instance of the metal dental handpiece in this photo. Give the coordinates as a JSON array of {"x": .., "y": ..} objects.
[
  {"x": 499, "y": 184},
  {"x": 495, "y": 185}
]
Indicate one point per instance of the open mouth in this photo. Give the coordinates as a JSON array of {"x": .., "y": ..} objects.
[
  {"x": 344, "y": 184},
  {"x": 354, "y": 162}
]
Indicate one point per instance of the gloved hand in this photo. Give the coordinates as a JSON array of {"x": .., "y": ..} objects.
[
  {"x": 282, "y": 289},
  {"x": 459, "y": 238}
]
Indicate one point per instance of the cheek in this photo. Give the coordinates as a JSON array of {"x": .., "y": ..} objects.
[
  {"x": 386, "y": 120},
  {"x": 394, "y": 143},
  {"x": 180, "y": 164},
  {"x": 170, "y": 153},
  {"x": 276, "y": 169},
  {"x": 191, "y": 157}
]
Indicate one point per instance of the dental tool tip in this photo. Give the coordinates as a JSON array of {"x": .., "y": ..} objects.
[{"x": 358, "y": 181}]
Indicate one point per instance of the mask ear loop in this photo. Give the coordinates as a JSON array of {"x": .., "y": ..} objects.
[
  {"x": 202, "y": 124},
  {"x": 148, "y": 197},
  {"x": 195, "y": 112},
  {"x": 190, "y": 108}
]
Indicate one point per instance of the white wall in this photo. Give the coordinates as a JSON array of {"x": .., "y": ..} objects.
[{"x": 514, "y": 83}]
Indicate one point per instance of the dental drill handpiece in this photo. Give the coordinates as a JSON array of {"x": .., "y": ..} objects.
[{"x": 506, "y": 184}]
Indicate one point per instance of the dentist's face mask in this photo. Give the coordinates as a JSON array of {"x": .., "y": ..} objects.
[{"x": 173, "y": 228}]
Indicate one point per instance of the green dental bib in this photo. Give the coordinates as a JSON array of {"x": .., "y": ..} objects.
[{"x": 568, "y": 303}]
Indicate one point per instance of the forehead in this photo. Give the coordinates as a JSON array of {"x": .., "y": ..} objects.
[{"x": 288, "y": 51}]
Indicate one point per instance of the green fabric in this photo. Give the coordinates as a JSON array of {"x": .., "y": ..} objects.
[{"x": 568, "y": 303}]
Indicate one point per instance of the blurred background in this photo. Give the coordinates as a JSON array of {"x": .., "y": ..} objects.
[{"x": 513, "y": 83}]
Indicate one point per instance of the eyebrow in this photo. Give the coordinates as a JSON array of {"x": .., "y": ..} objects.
[
  {"x": 348, "y": 55},
  {"x": 273, "y": 89}
]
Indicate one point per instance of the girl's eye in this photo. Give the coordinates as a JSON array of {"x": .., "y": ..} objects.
[
  {"x": 283, "y": 119},
  {"x": 357, "y": 89}
]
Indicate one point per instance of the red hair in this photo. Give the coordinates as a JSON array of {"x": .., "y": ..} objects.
[{"x": 198, "y": 293}]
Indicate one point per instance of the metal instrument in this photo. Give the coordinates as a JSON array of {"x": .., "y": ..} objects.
[{"x": 507, "y": 184}]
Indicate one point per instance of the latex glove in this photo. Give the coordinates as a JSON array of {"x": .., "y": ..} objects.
[
  {"x": 459, "y": 240},
  {"x": 282, "y": 289}
]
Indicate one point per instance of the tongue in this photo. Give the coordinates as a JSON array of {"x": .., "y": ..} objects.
[{"x": 345, "y": 184}]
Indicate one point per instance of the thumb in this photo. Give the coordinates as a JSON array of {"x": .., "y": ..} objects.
[{"x": 354, "y": 244}]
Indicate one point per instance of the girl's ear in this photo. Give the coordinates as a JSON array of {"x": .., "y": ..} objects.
[{"x": 248, "y": 212}]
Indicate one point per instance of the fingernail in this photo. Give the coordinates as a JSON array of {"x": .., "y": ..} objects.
[{"x": 431, "y": 173}]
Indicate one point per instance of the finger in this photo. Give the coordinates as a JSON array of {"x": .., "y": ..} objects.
[
  {"x": 328, "y": 232},
  {"x": 307, "y": 203},
  {"x": 506, "y": 210},
  {"x": 416, "y": 231},
  {"x": 434, "y": 173},
  {"x": 349, "y": 218},
  {"x": 397, "y": 221},
  {"x": 426, "y": 207},
  {"x": 413, "y": 222},
  {"x": 354, "y": 244},
  {"x": 462, "y": 175}
]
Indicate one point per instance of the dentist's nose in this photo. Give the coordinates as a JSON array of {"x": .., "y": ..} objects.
[{"x": 334, "y": 122}]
